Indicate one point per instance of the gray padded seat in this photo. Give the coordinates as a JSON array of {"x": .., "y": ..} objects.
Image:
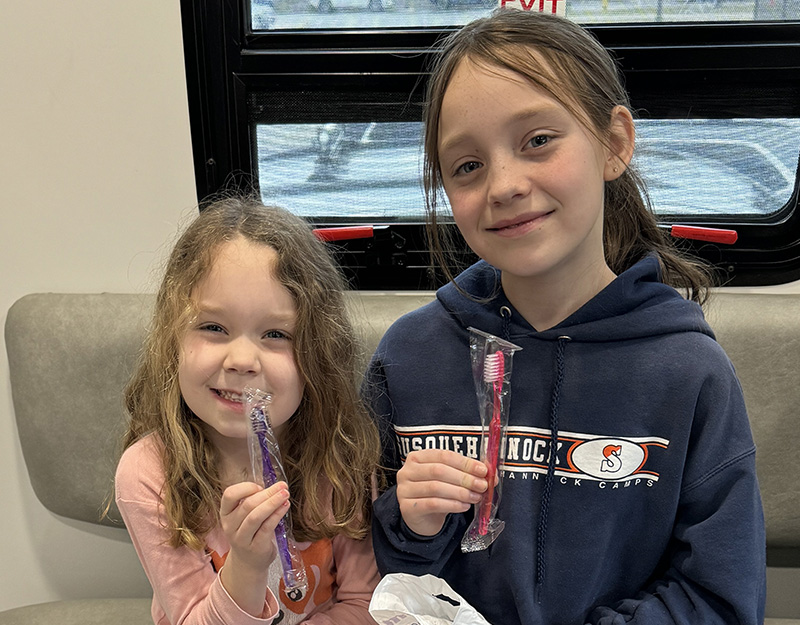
[{"x": 81, "y": 612}]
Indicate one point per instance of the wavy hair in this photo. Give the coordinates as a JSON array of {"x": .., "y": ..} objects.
[
  {"x": 565, "y": 61},
  {"x": 330, "y": 436}
]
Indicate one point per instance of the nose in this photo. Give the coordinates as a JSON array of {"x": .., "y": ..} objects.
[
  {"x": 508, "y": 179},
  {"x": 242, "y": 357}
]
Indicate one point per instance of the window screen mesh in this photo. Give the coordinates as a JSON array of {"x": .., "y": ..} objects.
[{"x": 372, "y": 171}]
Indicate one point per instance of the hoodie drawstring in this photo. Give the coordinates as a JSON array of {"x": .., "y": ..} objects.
[
  {"x": 541, "y": 530},
  {"x": 555, "y": 399}
]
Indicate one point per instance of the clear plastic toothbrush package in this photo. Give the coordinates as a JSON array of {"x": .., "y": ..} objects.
[
  {"x": 491, "y": 369},
  {"x": 265, "y": 459}
]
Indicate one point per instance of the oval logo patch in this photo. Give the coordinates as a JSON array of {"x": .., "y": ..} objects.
[{"x": 608, "y": 458}]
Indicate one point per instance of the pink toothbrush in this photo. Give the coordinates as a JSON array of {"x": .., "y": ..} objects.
[
  {"x": 493, "y": 370},
  {"x": 491, "y": 359}
]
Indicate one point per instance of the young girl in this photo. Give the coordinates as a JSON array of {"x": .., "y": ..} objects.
[
  {"x": 250, "y": 299},
  {"x": 629, "y": 484}
]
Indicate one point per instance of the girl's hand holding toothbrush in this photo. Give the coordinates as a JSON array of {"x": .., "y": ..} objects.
[
  {"x": 434, "y": 483},
  {"x": 249, "y": 515}
]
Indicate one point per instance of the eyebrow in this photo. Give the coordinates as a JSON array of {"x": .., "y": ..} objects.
[
  {"x": 519, "y": 116},
  {"x": 287, "y": 317}
]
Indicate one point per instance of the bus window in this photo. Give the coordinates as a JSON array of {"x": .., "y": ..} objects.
[{"x": 318, "y": 105}]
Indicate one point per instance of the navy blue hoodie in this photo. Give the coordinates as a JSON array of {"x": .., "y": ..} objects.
[{"x": 649, "y": 509}]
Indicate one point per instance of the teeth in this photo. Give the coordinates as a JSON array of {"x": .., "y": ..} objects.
[{"x": 237, "y": 397}]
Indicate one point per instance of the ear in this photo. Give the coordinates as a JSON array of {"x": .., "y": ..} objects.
[{"x": 622, "y": 137}]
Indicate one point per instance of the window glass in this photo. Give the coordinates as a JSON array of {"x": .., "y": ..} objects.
[
  {"x": 372, "y": 171},
  {"x": 372, "y": 14}
]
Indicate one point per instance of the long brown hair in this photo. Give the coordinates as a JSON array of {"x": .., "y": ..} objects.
[
  {"x": 565, "y": 61},
  {"x": 330, "y": 436}
]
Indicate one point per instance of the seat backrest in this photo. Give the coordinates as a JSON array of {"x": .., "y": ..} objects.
[
  {"x": 761, "y": 334},
  {"x": 69, "y": 358},
  {"x": 70, "y": 355}
]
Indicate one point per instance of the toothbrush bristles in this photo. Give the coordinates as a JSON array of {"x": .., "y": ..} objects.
[{"x": 493, "y": 367}]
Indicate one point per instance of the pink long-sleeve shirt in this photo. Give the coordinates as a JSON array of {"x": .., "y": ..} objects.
[{"x": 186, "y": 586}]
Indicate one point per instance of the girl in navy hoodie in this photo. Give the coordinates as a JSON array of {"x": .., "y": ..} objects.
[{"x": 629, "y": 483}]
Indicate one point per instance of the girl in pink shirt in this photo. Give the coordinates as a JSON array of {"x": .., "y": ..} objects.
[{"x": 249, "y": 299}]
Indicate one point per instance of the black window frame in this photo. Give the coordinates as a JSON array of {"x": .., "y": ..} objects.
[{"x": 672, "y": 71}]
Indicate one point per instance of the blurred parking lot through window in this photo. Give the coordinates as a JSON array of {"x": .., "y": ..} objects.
[{"x": 372, "y": 171}]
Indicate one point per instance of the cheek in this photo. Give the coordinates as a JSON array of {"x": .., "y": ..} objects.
[
  {"x": 464, "y": 206},
  {"x": 185, "y": 386},
  {"x": 187, "y": 373},
  {"x": 296, "y": 386},
  {"x": 467, "y": 215},
  {"x": 297, "y": 397},
  {"x": 184, "y": 360},
  {"x": 280, "y": 370},
  {"x": 195, "y": 363},
  {"x": 291, "y": 379},
  {"x": 289, "y": 389}
]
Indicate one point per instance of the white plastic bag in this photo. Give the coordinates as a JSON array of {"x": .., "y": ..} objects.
[{"x": 402, "y": 599}]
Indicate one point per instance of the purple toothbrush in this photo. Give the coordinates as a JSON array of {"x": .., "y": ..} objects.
[{"x": 267, "y": 469}]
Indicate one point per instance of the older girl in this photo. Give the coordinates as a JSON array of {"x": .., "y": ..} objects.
[{"x": 629, "y": 484}]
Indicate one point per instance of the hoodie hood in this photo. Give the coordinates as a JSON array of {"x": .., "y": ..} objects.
[{"x": 635, "y": 305}]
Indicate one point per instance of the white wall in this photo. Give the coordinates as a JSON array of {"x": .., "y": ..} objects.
[{"x": 96, "y": 172}]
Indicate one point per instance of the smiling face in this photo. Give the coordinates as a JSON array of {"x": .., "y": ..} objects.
[
  {"x": 242, "y": 337},
  {"x": 524, "y": 178}
]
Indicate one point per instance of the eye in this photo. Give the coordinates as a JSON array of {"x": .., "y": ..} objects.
[
  {"x": 211, "y": 327},
  {"x": 277, "y": 334},
  {"x": 539, "y": 141},
  {"x": 468, "y": 167}
]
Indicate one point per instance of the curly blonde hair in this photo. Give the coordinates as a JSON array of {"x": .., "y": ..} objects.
[{"x": 330, "y": 436}]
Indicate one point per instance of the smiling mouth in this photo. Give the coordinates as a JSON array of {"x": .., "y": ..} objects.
[
  {"x": 513, "y": 225},
  {"x": 230, "y": 396}
]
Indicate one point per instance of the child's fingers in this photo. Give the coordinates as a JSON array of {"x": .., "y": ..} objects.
[
  {"x": 239, "y": 500},
  {"x": 425, "y": 505},
  {"x": 419, "y": 494},
  {"x": 250, "y": 527},
  {"x": 420, "y": 508},
  {"x": 435, "y": 489},
  {"x": 450, "y": 458},
  {"x": 234, "y": 494},
  {"x": 434, "y": 483},
  {"x": 265, "y": 516},
  {"x": 272, "y": 511},
  {"x": 445, "y": 468}
]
